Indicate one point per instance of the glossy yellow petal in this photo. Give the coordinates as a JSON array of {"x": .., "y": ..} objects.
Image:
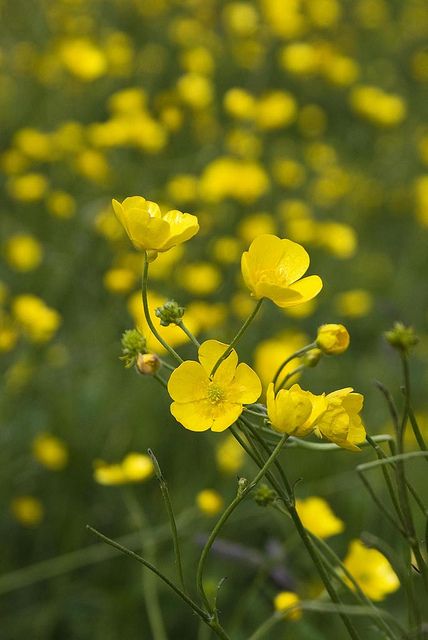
[
  {"x": 307, "y": 288},
  {"x": 182, "y": 227},
  {"x": 189, "y": 382},
  {"x": 211, "y": 350},
  {"x": 134, "y": 202},
  {"x": 225, "y": 415},
  {"x": 246, "y": 386},
  {"x": 195, "y": 416}
]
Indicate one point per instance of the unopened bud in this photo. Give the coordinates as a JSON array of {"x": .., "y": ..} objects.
[
  {"x": 148, "y": 363},
  {"x": 169, "y": 313},
  {"x": 402, "y": 337},
  {"x": 264, "y": 496},
  {"x": 332, "y": 339},
  {"x": 133, "y": 344},
  {"x": 242, "y": 485}
]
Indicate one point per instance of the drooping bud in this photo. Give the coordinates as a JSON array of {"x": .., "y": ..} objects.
[
  {"x": 402, "y": 337},
  {"x": 332, "y": 339},
  {"x": 169, "y": 313},
  {"x": 311, "y": 358},
  {"x": 148, "y": 364},
  {"x": 133, "y": 343}
]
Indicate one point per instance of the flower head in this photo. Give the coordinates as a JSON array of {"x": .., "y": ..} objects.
[
  {"x": 202, "y": 401},
  {"x": 148, "y": 229},
  {"x": 288, "y": 600},
  {"x": 273, "y": 268},
  {"x": 289, "y": 410},
  {"x": 318, "y": 517},
  {"x": 333, "y": 339},
  {"x": 371, "y": 570},
  {"x": 340, "y": 421}
]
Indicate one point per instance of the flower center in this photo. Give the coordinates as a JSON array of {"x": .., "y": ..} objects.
[{"x": 215, "y": 393}]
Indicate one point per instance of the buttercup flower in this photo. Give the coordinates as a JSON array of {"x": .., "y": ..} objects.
[
  {"x": 203, "y": 402},
  {"x": 285, "y": 600},
  {"x": 289, "y": 410},
  {"x": 318, "y": 517},
  {"x": 273, "y": 268},
  {"x": 340, "y": 421},
  {"x": 148, "y": 229},
  {"x": 333, "y": 339},
  {"x": 371, "y": 570}
]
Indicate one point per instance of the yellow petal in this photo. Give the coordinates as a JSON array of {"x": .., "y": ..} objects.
[
  {"x": 195, "y": 416},
  {"x": 182, "y": 227},
  {"x": 225, "y": 415},
  {"x": 134, "y": 202},
  {"x": 188, "y": 382},
  {"x": 246, "y": 386},
  {"x": 247, "y": 273},
  {"x": 211, "y": 350},
  {"x": 307, "y": 288}
]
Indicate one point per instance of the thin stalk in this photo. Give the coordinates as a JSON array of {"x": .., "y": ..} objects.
[
  {"x": 378, "y": 502},
  {"x": 167, "y": 365},
  {"x": 238, "y": 336},
  {"x": 294, "y": 355},
  {"x": 290, "y": 375},
  {"x": 417, "y": 432},
  {"x": 160, "y": 380},
  {"x": 224, "y": 517},
  {"x": 149, "y": 320},
  {"x": 165, "y": 493},
  {"x": 188, "y": 333}
]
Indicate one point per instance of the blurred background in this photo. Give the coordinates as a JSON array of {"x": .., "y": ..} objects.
[{"x": 300, "y": 118}]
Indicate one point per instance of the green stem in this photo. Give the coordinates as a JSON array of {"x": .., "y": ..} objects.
[
  {"x": 160, "y": 380},
  {"x": 290, "y": 375},
  {"x": 417, "y": 432},
  {"x": 294, "y": 355},
  {"x": 238, "y": 336},
  {"x": 152, "y": 327},
  {"x": 165, "y": 493},
  {"x": 225, "y": 516},
  {"x": 188, "y": 333}
]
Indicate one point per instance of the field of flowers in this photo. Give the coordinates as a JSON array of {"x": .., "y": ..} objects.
[{"x": 214, "y": 319}]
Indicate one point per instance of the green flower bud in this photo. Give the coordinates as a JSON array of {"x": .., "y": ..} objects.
[
  {"x": 169, "y": 313},
  {"x": 264, "y": 496},
  {"x": 401, "y": 337},
  {"x": 133, "y": 343},
  {"x": 148, "y": 364},
  {"x": 242, "y": 485}
]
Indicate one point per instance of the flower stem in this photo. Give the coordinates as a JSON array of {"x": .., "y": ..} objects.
[
  {"x": 225, "y": 516},
  {"x": 294, "y": 355},
  {"x": 188, "y": 333},
  {"x": 149, "y": 320},
  {"x": 165, "y": 493},
  {"x": 238, "y": 336}
]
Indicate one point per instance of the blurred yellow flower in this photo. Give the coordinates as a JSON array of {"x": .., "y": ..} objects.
[
  {"x": 271, "y": 353},
  {"x": 275, "y": 110},
  {"x": 203, "y": 402},
  {"x": 273, "y": 267},
  {"x": 83, "y": 59},
  {"x": 148, "y": 229},
  {"x": 229, "y": 455},
  {"x": 50, "y": 451},
  {"x": 285, "y": 600},
  {"x": 38, "y": 321},
  {"x": 23, "y": 252},
  {"x": 61, "y": 204},
  {"x": 135, "y": 467},
  {"x": 318, "y": 517},
  {"x": 28, "y": 187},
  {"x": 289, "y": 410},
  {"x": 355, "y": 303},
  {"x": 199, "y": 278},
  {"x": 119, "y": 280},
  {"x": 332, "y": 339},
  {"x": 371, "y": 570},
  {"x": 209, "y": 502},
  {"x": 27, "y": 510}
]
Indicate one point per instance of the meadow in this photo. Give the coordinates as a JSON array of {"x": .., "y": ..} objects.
[{"x": 297, "y": 128}]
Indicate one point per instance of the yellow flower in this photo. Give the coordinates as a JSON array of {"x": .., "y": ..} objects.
[
  {"x": 203, "y": 402},
  {"x": 209, "y": 502},
  {"x": 50, "y": 451},
  {"x": 340, "y": 422},
  {"x": 286, "y": 599},
  {"x": 371, "y": 570},
  {"x": 38, "y": 321},
  {"x": 229, "y": 456},
  {"x": 135, "y": 467},
  {"x": 289, "y": 410},
  {"x": 318, "y": 518},
  {"x": 148, "y": 229},
  {"x": 27, "y": 510},
  {"x": 23, "y": 252},
  {"x": 273, "y": 268},
  {"x": 332, "y": 339},
  {"x": 271, "y": 353}
]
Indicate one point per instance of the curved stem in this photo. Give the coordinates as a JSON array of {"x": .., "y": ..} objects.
[
  {"x": 236, "y": 339},
  {"x": 295, "y": 371},
  {"x": 188, "y": 333},
  {"x": 149, "y": 320},
  {"x": 225, "y": 516},
  {"x": 294, "y": 355}
]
